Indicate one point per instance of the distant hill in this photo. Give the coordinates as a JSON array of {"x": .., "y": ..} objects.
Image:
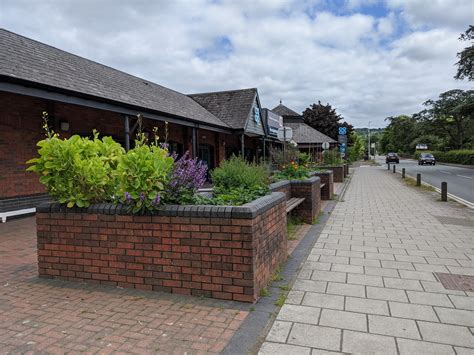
[{"x": 363, "y": 131}]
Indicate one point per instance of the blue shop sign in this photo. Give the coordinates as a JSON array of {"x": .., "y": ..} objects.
[{"x": 256, "y": 115}]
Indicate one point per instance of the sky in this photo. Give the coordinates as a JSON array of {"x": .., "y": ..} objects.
[{"x": 369, "y": 59}]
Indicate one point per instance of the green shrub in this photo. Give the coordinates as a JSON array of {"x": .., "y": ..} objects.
[
  {"x": 237, "y": 182},
  {"x": 142, "y": 175},
  {"x": 332, "y": 157},
  {"x": 304, "y": 159},
  {"x": 78, "y": 171}
]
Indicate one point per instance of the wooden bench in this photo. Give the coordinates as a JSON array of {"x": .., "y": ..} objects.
[{"x": 292, "y": 203}]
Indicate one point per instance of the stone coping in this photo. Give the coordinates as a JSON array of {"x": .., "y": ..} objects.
[
  {"x": 284, "y": 183},
  {"x": 248, "y": 210},
  {"x": 326, "y": 172}
]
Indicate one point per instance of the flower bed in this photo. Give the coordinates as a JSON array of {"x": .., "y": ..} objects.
[
  {"x": 134, "y": 218},
  {"x": 225, "y": 252}
]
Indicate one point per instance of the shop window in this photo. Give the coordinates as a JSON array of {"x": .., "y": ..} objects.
[{"x": 175, "y": 147}]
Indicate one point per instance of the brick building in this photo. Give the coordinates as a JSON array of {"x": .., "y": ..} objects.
[
  {"x": 309, "y": 140},
  {"x": 80, "y": 95}
]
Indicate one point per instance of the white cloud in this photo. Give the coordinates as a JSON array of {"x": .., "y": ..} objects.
[
  {"x": 355, "y": 62},
  {"x": 455, "y": 14}
]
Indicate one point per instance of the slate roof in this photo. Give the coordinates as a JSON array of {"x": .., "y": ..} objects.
[
  {"x": 304, "y": 134},
  {"x": 232, "y": 107},
  {"x": 282, "y": 110},
  {"x": 27, "y": 59}
]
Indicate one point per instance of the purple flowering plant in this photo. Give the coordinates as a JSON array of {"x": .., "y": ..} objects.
[{"x": 187, "y": 176}]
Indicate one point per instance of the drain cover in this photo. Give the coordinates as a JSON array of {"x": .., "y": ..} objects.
[{"x": 456, "y": 282}]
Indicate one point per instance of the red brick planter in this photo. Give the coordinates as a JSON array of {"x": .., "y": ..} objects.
[
  {"x": 309, "y": 189},
  {"x": 213, "y": 251},
  {"x": 338, "y": 171},
  {"x": 327, "y": 178}
]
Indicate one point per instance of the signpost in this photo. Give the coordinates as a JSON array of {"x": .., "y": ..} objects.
[
  {"x": 325, "y": 145},
  {"x": 285, "y": 134},
  {"x": 342, "y": 139}
]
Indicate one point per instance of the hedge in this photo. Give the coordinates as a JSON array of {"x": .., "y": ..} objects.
[{"x": 465, "y": 156}]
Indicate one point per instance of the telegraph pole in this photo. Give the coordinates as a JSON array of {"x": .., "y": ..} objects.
[{"x": 368, "y": 131}]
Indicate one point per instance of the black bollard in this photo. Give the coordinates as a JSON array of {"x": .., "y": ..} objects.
[
  {"x": 444, "y": 191},
  {"x": 403, "y": 173},
  {"x": 388, "y": 166},
  {"x": 418, "y": 179},
  {"x": 394, "y": 166}
]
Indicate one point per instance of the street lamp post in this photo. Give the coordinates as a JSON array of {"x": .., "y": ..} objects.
[{"x": 368, "y": 131}]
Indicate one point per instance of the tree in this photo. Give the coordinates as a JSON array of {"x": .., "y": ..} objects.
[
  {"x": 400, "y": 134},
  {"x": 450, "y": 117},
  {"x": 357, "y": 150},
  {"x": 325, "y": 119},
  {"x": 466, "y": 57}
]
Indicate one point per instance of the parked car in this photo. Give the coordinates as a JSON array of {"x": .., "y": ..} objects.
[
  {"x": 426, "y": 158},
  {"x": 392, "y": 158}
]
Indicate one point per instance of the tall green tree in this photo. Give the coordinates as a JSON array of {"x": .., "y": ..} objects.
[
  {"x": 466, "y": 56},
  {"x": 450, "y": 117},
  {"x": 400, "y": 134},
  {"x": 325, "y": 119}
]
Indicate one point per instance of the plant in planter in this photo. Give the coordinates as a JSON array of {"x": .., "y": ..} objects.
[
  {"x": 293, "y": 171},
  {"x": 79, "y": 170},
  {"x": 237, "y": 182},
  {"x": 142, "y": 175},
  {"x": 187, "y": 176},
  {"x": 332, "y": 157}
]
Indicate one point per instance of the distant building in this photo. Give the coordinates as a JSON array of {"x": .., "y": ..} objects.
[{"x": 309, "y": 140}]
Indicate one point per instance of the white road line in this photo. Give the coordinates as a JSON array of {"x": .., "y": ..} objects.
[
  {"x": 464, "y": 176},
  {"x": 445, "y": 172}
]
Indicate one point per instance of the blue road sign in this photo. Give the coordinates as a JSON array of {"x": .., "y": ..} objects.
[{"x": 342, "y": 130}]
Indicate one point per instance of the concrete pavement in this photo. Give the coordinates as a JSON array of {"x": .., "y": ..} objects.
[
  {"x": 460, "y": 180},
  {"x": 370, "y": 285}
]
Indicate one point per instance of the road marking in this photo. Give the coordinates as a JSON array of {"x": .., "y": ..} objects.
[
  {"x": 464, "y": 176},
  {"x": 445, "y": 172}
]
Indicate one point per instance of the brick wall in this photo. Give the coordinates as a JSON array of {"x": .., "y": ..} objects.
[
  {"x": 21, "y": 129},
  {"x": 230, "y": 255},
  {"x": 337, "y": 170},
  {"x": 282, "y": 186},
  {"x": 19, "y": 132},
  {"x": 327, "y": 178},
  {"x": 310, "y": 189}
]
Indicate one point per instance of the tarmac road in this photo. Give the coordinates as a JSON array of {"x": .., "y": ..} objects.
[{"x": 460, "y": 180}]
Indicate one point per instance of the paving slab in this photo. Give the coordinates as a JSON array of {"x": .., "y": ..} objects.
[
  {"x": 52, "y": 316},
  {"x": 373, "y": 284}
]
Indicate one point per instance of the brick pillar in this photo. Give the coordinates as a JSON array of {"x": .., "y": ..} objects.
[{"x": 310, "y": 190}]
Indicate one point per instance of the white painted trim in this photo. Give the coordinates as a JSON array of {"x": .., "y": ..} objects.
[{"x": 4, "y": 215}]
